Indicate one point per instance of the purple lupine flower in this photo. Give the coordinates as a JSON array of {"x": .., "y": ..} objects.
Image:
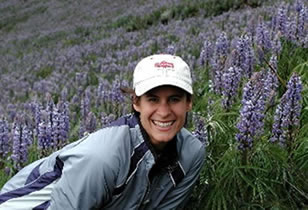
[
  {"x": 37, "y": 116},
  {"x": 20, "y": 145},
  {"x": 273, "y": 26},
  {"x": 85, "y": 107},
  {"x": 4, "y": 139},
  {"x": 75, "y": 100},
  {"x": 277, "y": 128},
  {"x": 11, "y": 109},
  {"x": 241, "y": 48},
  {"x": 170, "y": 50},
  {"x": 244, "y": 55},
  {"x": 217, "y": 64},
  {"x": 64, "y": 121},
  {"x": 91, "y": 122},
  {"x": 206, "y": 53},
  {"x": 85, "y": 110},
  {"x": 16, "y": 133},
  {"x": 288, "y": 112},
  {"x": 217, "y": 69},
  {"x": 44, "y": 137},
  {"x": 63, "y": 132},
  {"x": 200, "y": 131},
  {"x": 252, "y": 112},
  {"x": 271, "y": 81},
  {"x": 82, "y": 130},
  {"x": 231, "y": 78},
  {"x": 291, "y": 29},
  {"x": 106, "y": 119},
  {"x": 234, "y": 59},
  {"x": 222, "y": 45},
  {"x": 64, "y": 94},
  {"x": 263, "y": 39},
  {"x": 301, "y": 20},
  {"x": 299, "y": 5},
  {"x": 282, "y": 19},
  {"x": 27, "y": 134},
  {"x": 99, "y": 92},
  {"x": 49, "y": 103},
  {"x": 27, "y": 140},
  {"x": 117, "y": 98},
  {"x": 56, "y": 138},
  {"x": 116, "y": 95},
  {"x": 277, "y": 44},
  {"x": 249, "y": 59}
]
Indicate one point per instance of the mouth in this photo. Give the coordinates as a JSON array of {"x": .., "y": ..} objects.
[{"x": 163, "y": 124}]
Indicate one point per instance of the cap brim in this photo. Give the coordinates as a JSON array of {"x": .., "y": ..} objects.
[{"x": 149, "y": 84}]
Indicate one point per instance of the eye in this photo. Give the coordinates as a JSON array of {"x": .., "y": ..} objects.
[
  {"x": 174, "y": 99},
  {"x": 152, "y": 99}
]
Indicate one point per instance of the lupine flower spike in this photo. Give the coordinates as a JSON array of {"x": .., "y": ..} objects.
[
  {"x": 251, "y": 123},
  {"x": 287, "y": 113}
]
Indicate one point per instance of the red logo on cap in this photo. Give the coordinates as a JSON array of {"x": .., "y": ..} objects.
[{"x": 164, "y": 64}]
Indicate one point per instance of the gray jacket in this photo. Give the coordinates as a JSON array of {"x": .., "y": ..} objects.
[{"x": 113, "y": 168}]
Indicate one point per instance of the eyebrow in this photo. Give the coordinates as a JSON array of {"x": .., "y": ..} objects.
[{"x": 174, "y": 95}]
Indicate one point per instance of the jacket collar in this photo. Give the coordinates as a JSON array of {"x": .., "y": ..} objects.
[{"x": 164, "y": 158}]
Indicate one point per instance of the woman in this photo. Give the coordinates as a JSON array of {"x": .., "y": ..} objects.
[{"x": 146, "y": 160}]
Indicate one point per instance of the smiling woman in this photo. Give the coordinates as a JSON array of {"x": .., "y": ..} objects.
[
  {"x": 145, "y": 160},
  {"x": 163, "y": 113}
]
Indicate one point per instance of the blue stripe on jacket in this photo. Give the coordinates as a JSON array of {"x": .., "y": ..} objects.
[{"x": 38, "y": 184}]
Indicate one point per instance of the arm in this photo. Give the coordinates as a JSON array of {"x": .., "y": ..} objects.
[{"x": 85, "y": 183}]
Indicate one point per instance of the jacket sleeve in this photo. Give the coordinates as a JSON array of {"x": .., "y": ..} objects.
[
  {"x": 179, "y": 195},
  {"x": 85, "y": 183},
  {"x": 89, "y": 176},
  {"x": 74, "y": 179},
  {"x": 80, "y": 176}
]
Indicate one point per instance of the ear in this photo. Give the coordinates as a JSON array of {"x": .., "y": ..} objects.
[
  {"x": 189, "y": 106},
  {"x": 136, "y": 107}
]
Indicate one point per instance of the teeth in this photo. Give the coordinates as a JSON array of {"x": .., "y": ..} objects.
[{"x": 163, "y": 125}]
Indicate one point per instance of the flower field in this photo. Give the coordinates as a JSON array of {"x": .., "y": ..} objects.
[{"x": 62, "y": 64}]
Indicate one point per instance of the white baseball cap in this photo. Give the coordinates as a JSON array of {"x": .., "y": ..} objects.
[{"x": 161, "y": 69}]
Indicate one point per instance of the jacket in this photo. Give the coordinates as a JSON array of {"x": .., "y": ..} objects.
[{"x": 113, "y": 168}]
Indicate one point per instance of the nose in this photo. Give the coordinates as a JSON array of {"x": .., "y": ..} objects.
[{"x": 163, "y": 109}]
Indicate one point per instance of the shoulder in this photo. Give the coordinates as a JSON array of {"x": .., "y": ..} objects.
[
  {"x": 188, "y": 141},
  {"x": 116, "y": 134},
  {"x": 190, "y": 149},
  {"x": 110, "y": 145}
]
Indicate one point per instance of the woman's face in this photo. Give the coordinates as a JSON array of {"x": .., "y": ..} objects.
[{"x": 163, "y": 113}]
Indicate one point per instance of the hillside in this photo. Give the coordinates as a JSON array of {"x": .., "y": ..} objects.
[
  {"x": 65, "y": 61},
  {"x": 69, "y": 37}
]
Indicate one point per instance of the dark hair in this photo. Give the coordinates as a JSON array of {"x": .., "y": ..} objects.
[{"x": 134, "y": 98}]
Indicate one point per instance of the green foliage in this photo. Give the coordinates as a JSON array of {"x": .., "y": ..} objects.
[
  {"x": 44, "y": 72},
  {"x": 3, "y": 177},
  {"x": 292, "y": 58},
  {"x": 268, "y": 176},
  {"x": 92, "y": 79}
]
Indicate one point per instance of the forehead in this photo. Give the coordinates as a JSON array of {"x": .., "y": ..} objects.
[{"x": 165, "y": 90}]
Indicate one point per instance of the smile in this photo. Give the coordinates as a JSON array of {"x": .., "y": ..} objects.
[{"x": 163, "y": 124}]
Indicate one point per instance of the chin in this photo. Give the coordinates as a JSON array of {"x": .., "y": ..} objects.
[{"x": 164, "y": 139}]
